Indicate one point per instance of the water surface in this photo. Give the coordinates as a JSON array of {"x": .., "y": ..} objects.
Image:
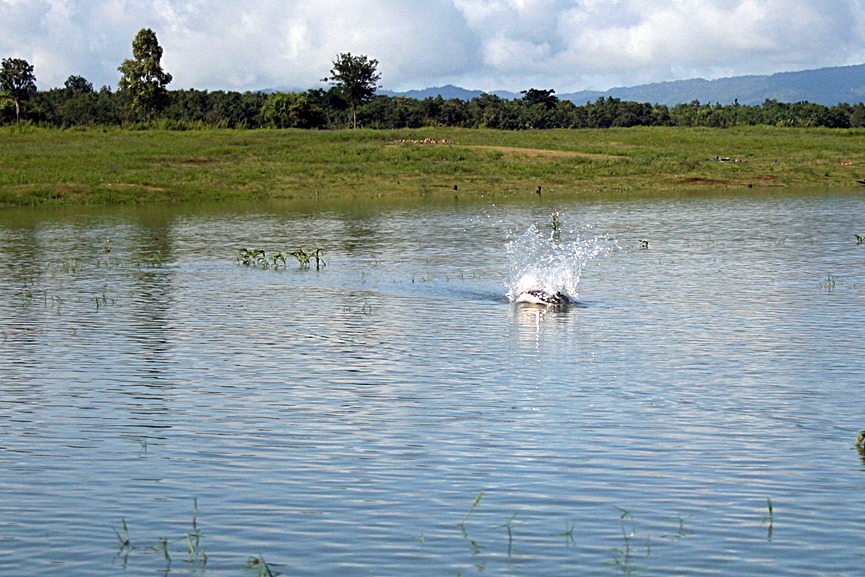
[{"x": 343, "y": 421}]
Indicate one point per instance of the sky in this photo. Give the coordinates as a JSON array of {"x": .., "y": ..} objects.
[{"x": 514, "y": 45}]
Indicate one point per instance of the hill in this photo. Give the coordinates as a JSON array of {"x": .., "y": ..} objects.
[
  {"x": 827, "y": 86},
  {"x": 449, "y": 92}
]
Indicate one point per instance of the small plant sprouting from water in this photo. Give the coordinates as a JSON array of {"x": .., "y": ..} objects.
[
  {"x": 682, "y": 532},
  {"x": 252, "y": 257},
  {"x": 829, "y": 284},
  {"x": 568, "y": 533},
  {"x": 859, "y": 239},
  {"x": 556, "y": 225},
  {"x": 474, "y": 504},
  {"x": 125, "y": 543},
  {"x": 509, "y": 525},
  {"x": 302, "y": 258},
  {"x": 474, "y": 546},
  {"x": 193, "y": 539},
  {"x": 103, "y": 300},
  {"x": 623, "y": 559},
  {"x": 162, "y": 547},
  {"x": 123, "y": 535},
  {"x": 318, "y": 255},
  {"x": 770, "y": 518},
  {"x": 624, "y": 556},
  {"x": 26, "y": 296},
  {"x": 305, "y": 257},
  {"x": 860, "y": 445},
  {"x": 261, "y": 567},
  {"x": 280, "y": 257},
  {"x": 625, "y": 513}
]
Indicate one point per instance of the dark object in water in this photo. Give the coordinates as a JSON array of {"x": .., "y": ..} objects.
[{"x": 542, "y": 297}]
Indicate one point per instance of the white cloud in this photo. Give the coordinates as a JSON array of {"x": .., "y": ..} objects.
[
  {"x": 485, "y": 44},
  {"x": 635, "y": 41}
]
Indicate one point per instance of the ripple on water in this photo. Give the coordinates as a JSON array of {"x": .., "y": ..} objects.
[{"x": 343, "y": 421}]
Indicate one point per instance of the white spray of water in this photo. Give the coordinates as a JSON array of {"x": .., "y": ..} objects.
[{"x": 543, "y": 262}]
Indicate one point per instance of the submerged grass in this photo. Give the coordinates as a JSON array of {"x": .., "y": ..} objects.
[
  {"x": 196, "y": 556},
  {"x": 628, "y": 545},
  {"x": 115, "y": 166}
]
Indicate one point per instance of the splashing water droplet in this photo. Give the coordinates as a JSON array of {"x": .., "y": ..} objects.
[{"x": 537, "y": 262}]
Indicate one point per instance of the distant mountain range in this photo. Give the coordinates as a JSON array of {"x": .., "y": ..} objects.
[
  {"x": 828, "y": 86},
  {"x": 449, "y": 92}
]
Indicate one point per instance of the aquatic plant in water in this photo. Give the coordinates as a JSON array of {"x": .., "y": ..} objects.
[
  {"x": 257, "y": 257},
  {"x": 474, "y": 504},
  {"x": 196, "y": 555},
  {"x": 252, "y": 257},
  {"x": 770, "y": 518},
  {"x": 509, "y": 525},
  {"x": 568, "y": 533},
  {"x": 556, "y": 225},
  {"x": 537, "y": 261},
  {"x": 261, "y": 567}
]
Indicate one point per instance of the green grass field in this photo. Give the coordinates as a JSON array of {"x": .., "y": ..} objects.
[{"x": 115, "y": 166}]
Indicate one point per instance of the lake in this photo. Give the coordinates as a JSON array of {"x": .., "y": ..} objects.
[{"x": 166, "y": 409}]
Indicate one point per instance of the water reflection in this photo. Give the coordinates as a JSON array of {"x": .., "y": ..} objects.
[{"x": 535, "y": 323}]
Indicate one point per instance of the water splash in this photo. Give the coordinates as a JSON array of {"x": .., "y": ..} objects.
[{"x": 543, "y": 262}]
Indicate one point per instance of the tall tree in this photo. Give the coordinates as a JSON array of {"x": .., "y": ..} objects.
[
  {"x": 356, "y": 78},
  {"x": 78, "y": 85},
  {"x": 17, "y": 81},
  {"x": 546, "y": 98},
  {"x": 143, "y": 76}
]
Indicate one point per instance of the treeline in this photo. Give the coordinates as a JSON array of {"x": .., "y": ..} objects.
[
  {"x": 144, "y": 100},
  {"x": 78, "y": 104}
]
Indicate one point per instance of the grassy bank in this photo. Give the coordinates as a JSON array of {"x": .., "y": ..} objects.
[{"x": 117, "y": 166}]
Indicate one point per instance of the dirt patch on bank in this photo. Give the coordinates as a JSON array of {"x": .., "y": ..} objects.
[
  {"x": 544, "y": 153},
  {"x": 760, "y": 180},
  {"x": 705, "y": 181}
]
